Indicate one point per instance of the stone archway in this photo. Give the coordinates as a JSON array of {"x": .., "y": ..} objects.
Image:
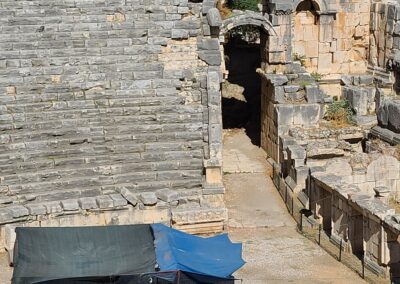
[
  {"x": 320, "y": 5},
  {"x": 243, "y": 18},
  {"x": 241, "y": 103}
]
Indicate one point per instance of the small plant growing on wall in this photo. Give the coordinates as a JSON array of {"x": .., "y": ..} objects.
[
  {"x": 340, "y": 113},
  {"x": 317, "y": 76},
  {"x": 300, "y": 57}
]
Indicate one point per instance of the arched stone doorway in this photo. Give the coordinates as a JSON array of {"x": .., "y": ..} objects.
[{"x": 245, "y": 39}]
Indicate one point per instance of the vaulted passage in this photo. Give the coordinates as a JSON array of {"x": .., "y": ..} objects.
[{"x": 242, "y": 87}]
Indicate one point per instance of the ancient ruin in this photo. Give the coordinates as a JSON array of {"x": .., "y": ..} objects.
[{"x": 112, "y": 113}]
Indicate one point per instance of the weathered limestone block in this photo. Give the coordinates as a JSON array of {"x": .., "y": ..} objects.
[
  {"x": 211, "y": 57},
  {"x": 36, "y": 209},
  {"x": 338, "y": 167},
  {"x": 104, "y": 201},
  {"x": 214, "y": 18},
  {"x": 148, "y": 198},
  {"x": 296, "y": 152},
  {"x": 167, "y": 195},
  {"x": 306, "y": 114},
  {"x": 18, "y": 211},
  {"x": 87, "y": 203},
  {"x": 314, "y": 94},
  {"x": 129, "y": 196},
  {"x": 204, "y": 215},
  {"x": 360, "y": 99},
  {"x": 118, "y": 200},
  {"x": 277, "y": 80},
  {"x": 53, "y": 207},
  {"x": 384, "y": 168},
  {"x": 284, "y": 114},
  {"x": 208, "y": 5},
  {"x": 389, "y": 115},
  {"x": 70, "y": 205}
]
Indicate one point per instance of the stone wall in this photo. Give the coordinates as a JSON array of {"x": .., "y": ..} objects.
[
  {"x": 385, "y": 33},
  {"x": 360, "y": 92},
  {"x": 289, "y": 100},
  {"x": 333, "y": 37},
  {"x": 365, "y": 225},
  {"x": 113, "y": 101}
]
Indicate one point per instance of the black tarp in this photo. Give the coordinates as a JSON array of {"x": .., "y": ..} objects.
[
  {"x": 173, "y": 277},
  {"x": 43, "y": 254}
]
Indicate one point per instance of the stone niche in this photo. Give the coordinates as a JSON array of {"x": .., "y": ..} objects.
[
  {"x": 306, "y": 35},
  {"x": 331, "y": 41}
]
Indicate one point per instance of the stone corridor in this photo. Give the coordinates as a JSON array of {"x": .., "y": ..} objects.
[{"x": 272, "y": 248}]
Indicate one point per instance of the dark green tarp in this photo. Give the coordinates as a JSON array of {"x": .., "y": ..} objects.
[{"x": 43, "y": 254}]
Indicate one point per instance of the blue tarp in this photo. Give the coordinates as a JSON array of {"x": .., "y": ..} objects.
[
  {"x": 122, "y": 254},
  {"x": 215, "y": 256}
]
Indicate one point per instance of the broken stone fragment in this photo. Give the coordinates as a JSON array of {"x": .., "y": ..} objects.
[
  {"x": 230, "y": 90},
  {"x": 148, "y": 198},
  {"x": 277, "y": 80},
  {"x": 129, "y": 196}
]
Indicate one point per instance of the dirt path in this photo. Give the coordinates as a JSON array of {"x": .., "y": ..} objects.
[{"x": 274, "y": 251}]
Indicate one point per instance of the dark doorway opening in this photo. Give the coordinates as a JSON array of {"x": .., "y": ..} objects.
[
  {"x": 241, "y": 91},
  {"x": 356, "y": 235}
]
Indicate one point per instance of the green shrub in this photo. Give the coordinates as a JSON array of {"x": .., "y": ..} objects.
[
  {"x": 317, "y": 76},
  {"x": 340, "y": 113},
  {"x": 244, "y": 4}
]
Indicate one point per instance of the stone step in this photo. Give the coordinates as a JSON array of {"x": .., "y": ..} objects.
[
  {"x": 173, "y": 123},
  {"x": 77, "y": 145},
  {"x": 19, "y": 105},
  {"x": 80, "y": 182},
  {"x": 81, "y": 156},
  {"x": 55, "y": 173}
]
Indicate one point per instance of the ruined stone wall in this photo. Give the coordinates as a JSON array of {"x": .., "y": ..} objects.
[
  {"x": 287, "y": 100},
  {"x": 331, "y": 37},
  {"x": 346, "y": 203},
  {"x": 108, "y": 99},
  {"x": 385, "y": 33}
]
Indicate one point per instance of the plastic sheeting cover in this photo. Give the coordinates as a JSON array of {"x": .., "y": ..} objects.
[
  {"x": 215, "y": 256},
  {"x": 60, "y": 253}
]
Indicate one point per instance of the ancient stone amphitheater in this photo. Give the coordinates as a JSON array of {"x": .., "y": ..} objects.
[{"x": 111, "y": 113}]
